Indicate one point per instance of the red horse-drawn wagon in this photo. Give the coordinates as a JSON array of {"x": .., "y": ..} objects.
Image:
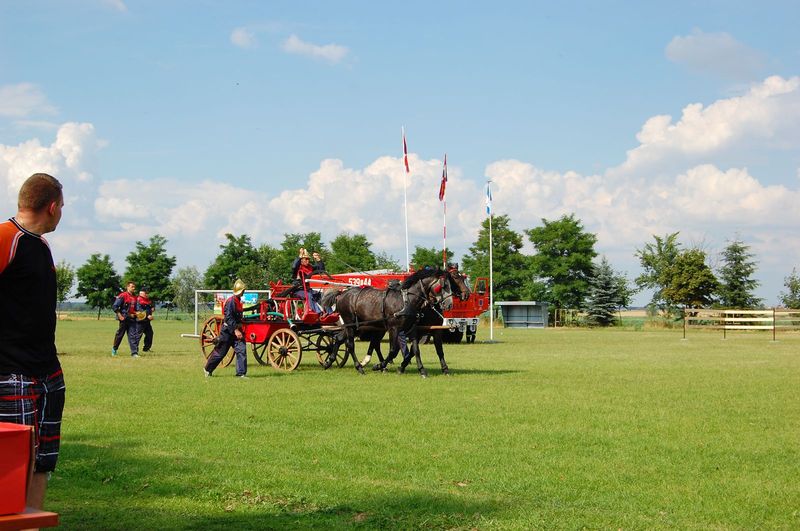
[{"x": 280, "y": 329}]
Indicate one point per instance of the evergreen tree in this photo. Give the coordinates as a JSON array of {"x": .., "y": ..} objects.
[
  {"x": 510, "y": 266},
  {"x": 735, "y": 275},
  {"x": 150, "y": 266},
  {"x": 98, "y": 282},
  {"x": 791, "y": 297},
  {"x": 563, "y": 260},
  {"x": 605, "y": 297}
]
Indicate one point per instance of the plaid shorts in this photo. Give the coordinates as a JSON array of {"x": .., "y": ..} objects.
[{"x": 37, "y": 402}]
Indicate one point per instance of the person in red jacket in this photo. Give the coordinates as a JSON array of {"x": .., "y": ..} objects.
[
  {"x": 144, "y": 316},
  {"x": 125, "y": 308},
  {"x": 31, "y": 382}
]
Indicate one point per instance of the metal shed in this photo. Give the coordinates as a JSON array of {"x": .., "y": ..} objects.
[{"x": 523, "y": 314}]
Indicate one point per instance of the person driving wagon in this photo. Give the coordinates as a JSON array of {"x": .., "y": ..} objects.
[{"x": 302, "y": 270}]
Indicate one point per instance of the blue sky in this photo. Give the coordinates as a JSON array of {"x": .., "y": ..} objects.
[{"x": 192, "y": 119}]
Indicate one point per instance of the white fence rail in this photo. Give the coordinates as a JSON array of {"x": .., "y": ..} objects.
[{"x": 771, "y": 319}]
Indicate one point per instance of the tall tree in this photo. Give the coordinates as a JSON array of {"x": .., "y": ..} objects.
[
  {"x": 235, "y": 254},
  {"x": 692, "y": 283},
  {"x": 149, "y": 265},
  {"x": 791, "y": 297},
  {"x": 65, "y": 278},
  {"x": 608, "y": 292},
  {"x": 736, "y": 277},
  {"x": 98, "y": 282},
  {"x": 509, "y": 264},
  {"x": 429, "y": 257},
  {"x": 185, "y": 281},
  {"x": 563, "y": 260},
  {"x": 384, "y": 261},
  {"x": 350, "y": 253},
  {"x": 656, "y": 260}
]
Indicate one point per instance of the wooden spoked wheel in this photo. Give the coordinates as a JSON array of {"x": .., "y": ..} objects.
[
  {"x": 283, "y": 349},
  {"x": 259, "y": 352},
  {"x": 325, "y": 345},
  {"x": 208, "y": 339}
]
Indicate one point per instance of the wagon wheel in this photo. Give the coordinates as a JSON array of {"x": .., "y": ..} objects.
[
  {"x": 259, "y": 352},
  {"x": 208, "y": 339},
  {"x": 283, "y": 349},
  {"x": 325, "y": 345}
]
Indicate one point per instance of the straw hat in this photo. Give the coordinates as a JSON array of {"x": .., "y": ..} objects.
[{"x": 238, "y": 287}]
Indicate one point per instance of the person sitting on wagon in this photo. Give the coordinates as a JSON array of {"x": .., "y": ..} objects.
[
  {"x": 231, "y": 334},
  {"x": 302, "y": 270}
]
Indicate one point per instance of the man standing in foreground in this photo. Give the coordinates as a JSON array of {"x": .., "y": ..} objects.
[{"x": 31, "y": 382}]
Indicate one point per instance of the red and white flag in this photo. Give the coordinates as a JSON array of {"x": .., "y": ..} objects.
[
  {"x": 443, "y": 184},
  {"x": 405, "y": 152}
]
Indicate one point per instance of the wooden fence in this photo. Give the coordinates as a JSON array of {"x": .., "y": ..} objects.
[{"x": 773, "y": 319}]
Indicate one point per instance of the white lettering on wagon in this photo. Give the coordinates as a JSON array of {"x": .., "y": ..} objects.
[{"x": 360, "y": 281}]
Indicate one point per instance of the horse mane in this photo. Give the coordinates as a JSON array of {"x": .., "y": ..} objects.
[{"x": 419, "y": 275}]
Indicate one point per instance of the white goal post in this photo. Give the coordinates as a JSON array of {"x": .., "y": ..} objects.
[{"x": 205, "y": 297}]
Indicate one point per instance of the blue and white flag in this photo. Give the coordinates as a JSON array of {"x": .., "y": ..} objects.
[{"x": 488, "y": 200}]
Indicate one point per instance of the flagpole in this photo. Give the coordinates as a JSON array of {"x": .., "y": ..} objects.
[
  {"x": 405, "y": 194},
  {"x": 443, "y": 198},
  {"x": 491, "y": 275}
]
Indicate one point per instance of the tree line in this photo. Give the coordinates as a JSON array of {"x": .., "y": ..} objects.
[{"x": 564, "y": 269}]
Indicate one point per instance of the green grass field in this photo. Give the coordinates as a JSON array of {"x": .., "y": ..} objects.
[{"x": 544, "y": 429}]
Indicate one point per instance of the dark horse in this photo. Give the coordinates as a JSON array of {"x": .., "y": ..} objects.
[
  {"x": 371, "y": 310},
  {"x": 431, "y": 317}
]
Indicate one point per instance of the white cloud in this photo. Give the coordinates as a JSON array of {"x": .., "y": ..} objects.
[
  {"x": 244, "y": 38},
  {"x": 716, "y": 53},
  {"x": 118, "y": 5},
  {"x": 23, "y": 100},
  {"x": 332, "y": 53},
  {"x": 69, "y": 158},
  {"x": 767, "y": 116}
]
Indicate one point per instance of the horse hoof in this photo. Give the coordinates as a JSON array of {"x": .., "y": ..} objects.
[
  {"x": 423, "y": 374},
  {"x": 360, "y": 369},
  {"x": 377, "y": 368}
]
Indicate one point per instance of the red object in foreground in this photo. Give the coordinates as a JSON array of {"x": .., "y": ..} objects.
[
  {"x": 28, "y": 519},
  {"x": 16, "y": 450}
]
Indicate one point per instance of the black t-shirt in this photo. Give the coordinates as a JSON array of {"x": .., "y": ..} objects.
[{"x": 27, "y": 303}]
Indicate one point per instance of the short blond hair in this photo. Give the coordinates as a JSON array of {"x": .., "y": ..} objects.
[{"x": 38, "y": 191}]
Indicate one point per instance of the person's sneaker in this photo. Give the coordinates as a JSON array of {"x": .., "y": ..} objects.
[
  {"x": 113, "y": 351},
  {"x": 241, "y": 376},
  {"x": 208, "y": 374},
  {"x": 134, "y": 355}
]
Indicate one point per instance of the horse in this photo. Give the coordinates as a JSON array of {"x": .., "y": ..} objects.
[
  {"x": 432, "y": 316},
  {"x": 367, "y": 309}
]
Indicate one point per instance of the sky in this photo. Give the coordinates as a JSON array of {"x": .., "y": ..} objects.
[{"x": 192, "y": 119}]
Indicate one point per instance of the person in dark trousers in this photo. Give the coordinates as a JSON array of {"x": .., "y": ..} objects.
[
  {"x": 125, "y": 308},
  {"x": 32, "y": 385},
  {"x": 231, "y": 335},
  {"x": 144, "y": 316}
]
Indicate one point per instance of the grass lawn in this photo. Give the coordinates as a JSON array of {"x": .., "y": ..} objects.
[{"x": 543, "y": 429}]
